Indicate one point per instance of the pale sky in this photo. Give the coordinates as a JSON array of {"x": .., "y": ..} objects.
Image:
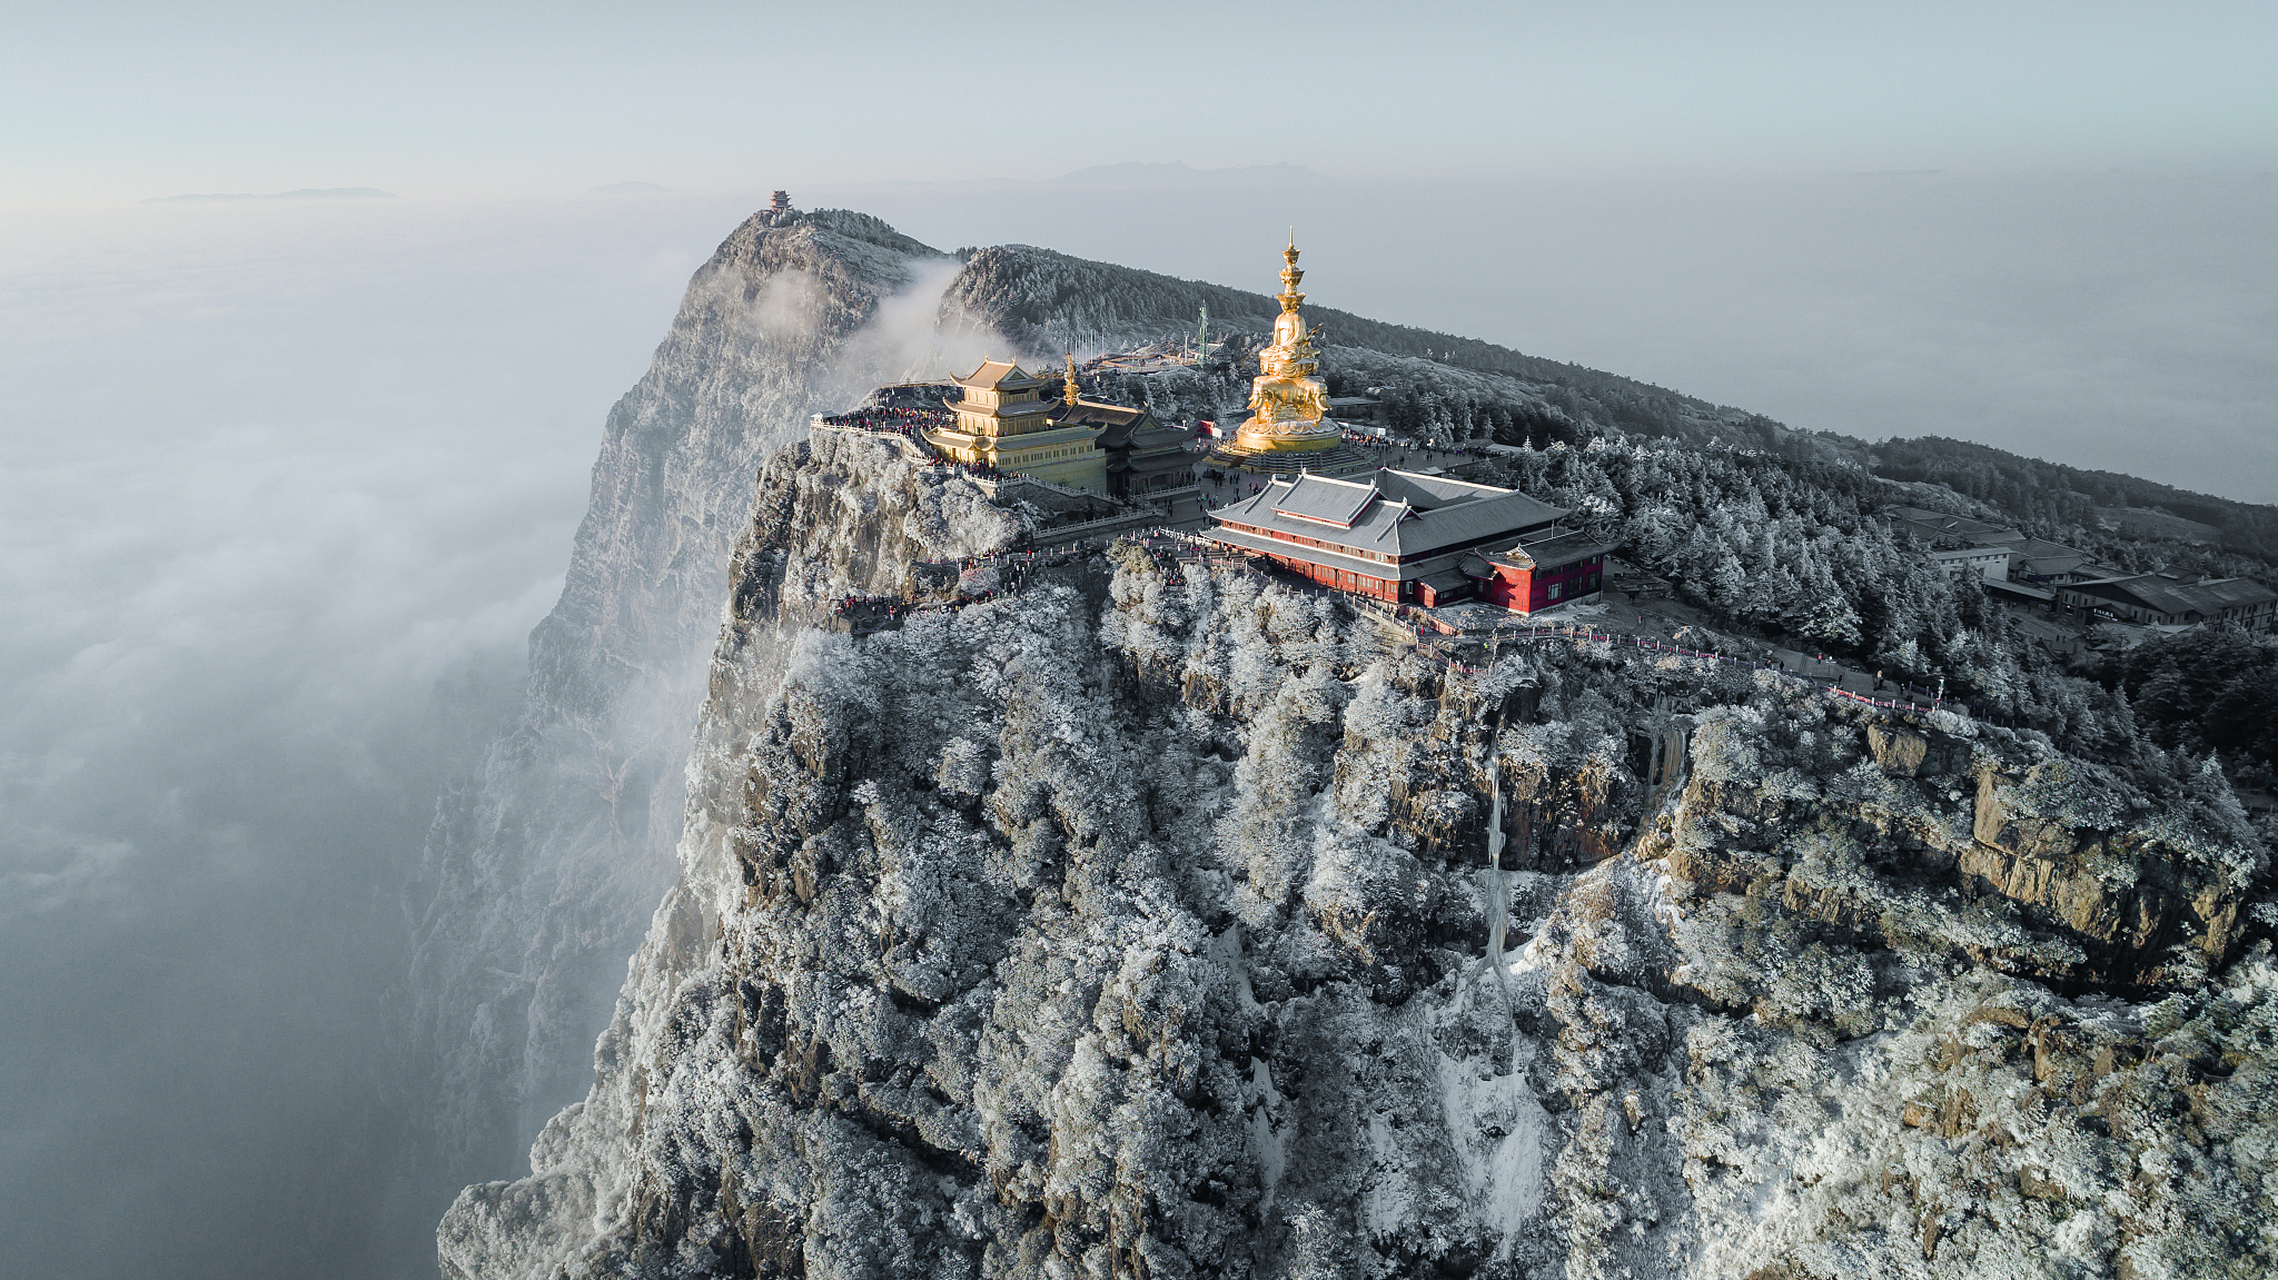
[{"x": 105, "y": 100}]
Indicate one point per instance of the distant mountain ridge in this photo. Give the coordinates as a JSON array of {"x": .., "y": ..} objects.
[
  {"x": 1046, "y": 300},
  {"x": 1137, "y": 173},
  {"x": 1049, "y": 301},
  {"x": 2034, "y": 488}
]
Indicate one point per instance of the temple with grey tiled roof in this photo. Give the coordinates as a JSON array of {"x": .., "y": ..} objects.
[
  {"x": 1417, "y": 539},
  {"x": 1142, "y": 455},
  {"x": 2153, "y": 600}
]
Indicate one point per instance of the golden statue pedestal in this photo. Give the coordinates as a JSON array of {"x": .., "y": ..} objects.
[
  {"x": 1279, "y": 437},
  {"x": 1327, "y": 452}
]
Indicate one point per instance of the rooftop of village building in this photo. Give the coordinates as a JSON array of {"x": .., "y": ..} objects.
[
  {"x": 2179, "y": 599},
  {"x": 1940, "y": 527},
  {"x": 1550, "y": 549}
]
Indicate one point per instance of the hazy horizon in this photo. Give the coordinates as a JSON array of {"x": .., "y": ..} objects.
[{"x": 131, "y": 99}]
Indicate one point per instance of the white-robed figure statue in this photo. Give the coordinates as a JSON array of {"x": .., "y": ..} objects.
[{"x": 1288, "y": 401}]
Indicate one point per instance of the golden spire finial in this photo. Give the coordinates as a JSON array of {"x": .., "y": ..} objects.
[
  {"x": 1068, "y": 391},
  {"x": 1291, "y": 276}
]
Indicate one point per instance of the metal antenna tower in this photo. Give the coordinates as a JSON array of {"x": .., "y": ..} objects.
[{"x": 1202, "y": 339}]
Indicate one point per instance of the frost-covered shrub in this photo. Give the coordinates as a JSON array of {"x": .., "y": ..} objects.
[
  {"x": 1379, "y": 723},
  {"x": 2073, "y": 793},
  {"x": 1264, "y": 834},
  {"x": 1725, "y": 747}
]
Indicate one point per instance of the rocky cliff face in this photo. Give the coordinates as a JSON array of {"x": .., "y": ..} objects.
[
  {"x": 1132, "y": 925},
  {"x": 540, "y": 867},
  {"x": 539, "y": 871}
]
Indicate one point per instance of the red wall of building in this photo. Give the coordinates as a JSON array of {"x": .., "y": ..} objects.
[
  {"x": 1360, "y": 584},
  {"x": 1579, "y": 579},
  {"x": 1528, "y": 590},
  {"x": 1510, "y": 588},
  {"x": 1519, "y": 590}
]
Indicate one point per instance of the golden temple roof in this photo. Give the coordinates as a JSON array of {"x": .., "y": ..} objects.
[{"x": 1000, "y": 375}]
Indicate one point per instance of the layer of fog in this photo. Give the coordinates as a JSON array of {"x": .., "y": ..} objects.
[
  {"x": 283, "y": 486},
  {"x": 282, "y": 491}
]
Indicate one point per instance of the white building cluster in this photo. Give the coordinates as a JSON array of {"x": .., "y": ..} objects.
[{"x": 2037, "y": 571}]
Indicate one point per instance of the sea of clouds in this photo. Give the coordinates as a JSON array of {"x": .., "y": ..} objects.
[
  {"x": 283, "y": 486},
  {"x": 282, "y": 490}
]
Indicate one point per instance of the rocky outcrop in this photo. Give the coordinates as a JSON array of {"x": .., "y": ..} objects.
[
  {"x": 2125, "y": 895},
  {"x": 1913, "y": 752},
  {"x": 2086, "y": 906}
]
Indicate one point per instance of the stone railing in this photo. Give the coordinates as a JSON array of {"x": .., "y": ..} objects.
[
  {"x": 911, "y": 449},
  {"x": 1093, "y": 530}
]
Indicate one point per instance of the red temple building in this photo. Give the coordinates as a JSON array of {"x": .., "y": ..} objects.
[{"x": 1418, "y": 539}]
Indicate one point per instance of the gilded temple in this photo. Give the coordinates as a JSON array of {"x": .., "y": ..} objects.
[{"x": 1005, "y": 423}]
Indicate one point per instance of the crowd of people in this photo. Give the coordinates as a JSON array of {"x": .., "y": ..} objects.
[{"x": 894, "y": 421}]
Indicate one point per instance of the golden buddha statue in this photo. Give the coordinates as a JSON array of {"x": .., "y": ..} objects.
[{"x": 1288, "y": 400}]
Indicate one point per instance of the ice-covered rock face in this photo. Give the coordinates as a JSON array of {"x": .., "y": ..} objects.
[
  {"x": 1130, "y": 925},
  {"x": 541, "y": 868},
  {"x": 542, "y": 864}
]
